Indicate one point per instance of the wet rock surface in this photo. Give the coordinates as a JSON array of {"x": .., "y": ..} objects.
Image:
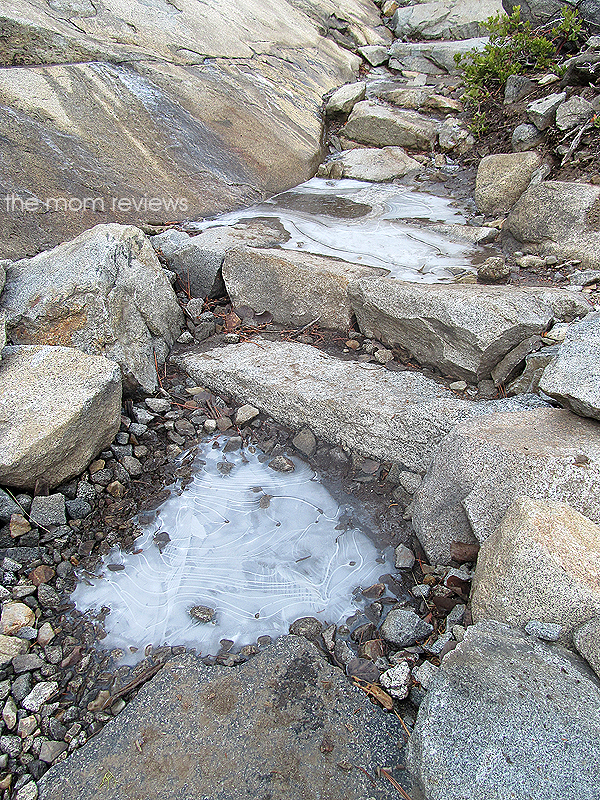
[{"x": 171, "y": 153}]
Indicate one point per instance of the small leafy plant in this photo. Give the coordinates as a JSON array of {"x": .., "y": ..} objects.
[{"x": 513, "y": 48}]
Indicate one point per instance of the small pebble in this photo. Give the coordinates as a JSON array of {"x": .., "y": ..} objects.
[{"x": 547, "y": 631}]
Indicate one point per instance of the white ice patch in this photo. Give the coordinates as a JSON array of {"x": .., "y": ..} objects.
[
  {"x": 392, "y": 235},
  {"x": 260, "y": 547}
]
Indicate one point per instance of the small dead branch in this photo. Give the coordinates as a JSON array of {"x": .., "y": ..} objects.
[{"x": 145, "y": 676}]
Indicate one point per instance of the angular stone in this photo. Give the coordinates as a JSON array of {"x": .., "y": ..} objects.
[
  {"x": 584, "y": 277},
  {"x": 440, "y": 54},
  {"x": 104, "y": 293},
  {"x": 374, "y": 54},
  {"x": 78, "y": 508},
  {"x": 343, "y": 100},
  {"x": 405, "y": 414},
  {"x": 418, "y": 99},
  {"x": 51, "y": 750},
  {"x": 11, "y": 745},
  {"x": 586, "y": 639},
  {"x": 573, "y": 377},
  {"x": 197, "y": 260},
  {"x": 18, "y": 526},
  {"x": 159, "y": 405},
  {"x": 517, "y": 87},
  {"x": 493, "y": 270},
  {"x": 45, "y": 634},
  {"x": 40, "y": 694},
  {"x": 296, "y": 287},
  {"x": 558, "y": 218},
  {"x": 485, "y": 464},
  {"x": 573, "y": 112},
  {"x": 525, "y": 137},
  {"x": 453, "y": 135},
  {"x": 372, "y": 164},
  {"x": 132, "y": 465},
  {"x": 21, "y": 687},
  {"x": 404, "y": 558},
  {"x": 282, "y": 464},
  {"x": 425, "y": 673},
  {"x": 310, "y": 627},
  {"x": 58, "y": 408},
  {"x": 48, "y": 596},
  {"x": 546, "y": 631},
  {"x": 245, "y": 414},
  {"x": 28, "y": 791},
  {"x": 377, "y": 125},
  {"x": 8, "y": 506},
  {"x": 48, "y": 510},
  {"x": 305, "y": 442},
  {"x": 11, "y": 646},
  {"x": 26, "y": 663},
  {"x": 14, "y": 617},
  {"x": 396, "y": 681},
  {"x": 535, "y": 364},
  {"x": 9, "y": 714},
  {"x": 542, "y": 112},
  {"x": 513, "y": 361},
  {"x": 502, "y": 179},
  {"x": 463, "y": 330},
  {"x": 327, "y": 723},
  {"x": 436, "y": 20},
  {"x": 474, "y": 732},
  {"x": 542, "y": 563},
  {"x": 403, "y": 628}
]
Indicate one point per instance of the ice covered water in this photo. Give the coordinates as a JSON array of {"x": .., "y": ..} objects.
[
  {"x": 261, "y": 548},
  {"x": 378, "y": 225}
]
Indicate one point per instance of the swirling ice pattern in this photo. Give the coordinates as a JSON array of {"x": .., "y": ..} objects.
[
  {"x": 260, "y": 547},
  {"x": 381, "y": 238}
]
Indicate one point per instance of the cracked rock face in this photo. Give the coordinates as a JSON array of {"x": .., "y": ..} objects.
[
  {"x": 485, "y": 464},
  {"x": 218, "y": 107},
  {"x": 464, "y": 330}
]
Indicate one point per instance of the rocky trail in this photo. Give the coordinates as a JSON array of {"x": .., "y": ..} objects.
[{"x": 301, "y": 486}]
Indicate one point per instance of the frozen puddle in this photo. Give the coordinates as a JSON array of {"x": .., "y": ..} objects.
[
  {"x": 378, "y": 225},
  {"x": 259, "y": 547}
]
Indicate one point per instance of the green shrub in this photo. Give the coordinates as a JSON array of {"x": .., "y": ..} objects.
[{"x": 513, "y": 49}]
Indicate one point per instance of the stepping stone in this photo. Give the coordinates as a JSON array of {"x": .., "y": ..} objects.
[
  {"x": 382, "y": 414},
  {"x": 282, "y": 724}
]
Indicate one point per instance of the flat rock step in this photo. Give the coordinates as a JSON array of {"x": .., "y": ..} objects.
[
  {"x": 463, "y": 330},
  {"x": 393, "y": 416},
  {"x": 284, "y": 724}
]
